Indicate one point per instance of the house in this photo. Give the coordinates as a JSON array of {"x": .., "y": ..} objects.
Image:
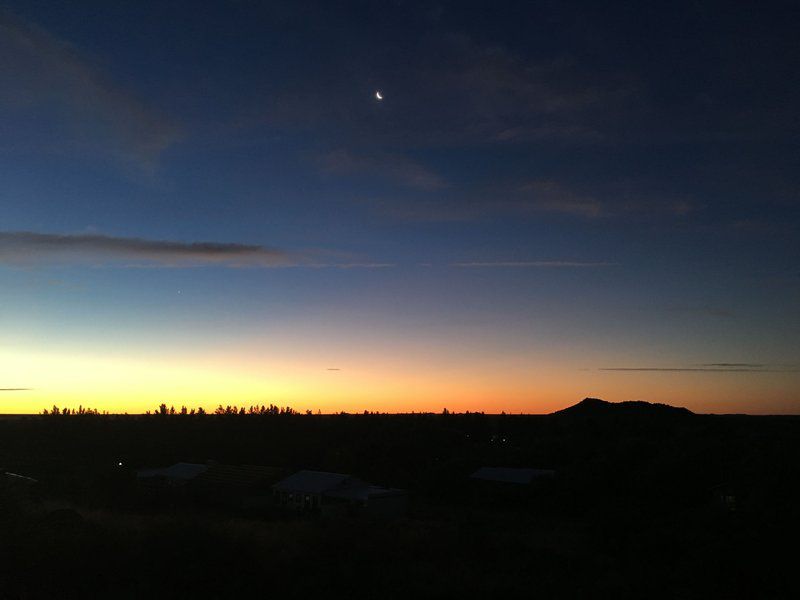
[
  {"x": 338, "y": 494},
  {"x": 512, "y": 475},
  {"x": 239, "y": 486},
  {"x": 305, "y": 490},
  {"x": 232, "y": 486}
]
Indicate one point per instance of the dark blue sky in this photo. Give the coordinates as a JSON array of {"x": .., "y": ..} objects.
[{"x": 547, "y": 190}]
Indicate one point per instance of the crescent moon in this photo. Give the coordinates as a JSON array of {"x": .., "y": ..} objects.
[{"x": 378, "y": 95}]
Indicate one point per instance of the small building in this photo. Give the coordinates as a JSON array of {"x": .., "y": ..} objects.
[{"x": 338, "y": 494}]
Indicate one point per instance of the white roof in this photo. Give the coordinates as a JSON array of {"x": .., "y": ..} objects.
[{"x": 20, "y": 478}]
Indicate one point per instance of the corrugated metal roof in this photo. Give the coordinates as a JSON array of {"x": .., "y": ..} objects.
[
  {"x": 182, "y": 471},
  {"x": 511, "y": 475},
  {"x": 364, "y": 492},
  {"x": 314, "y": 482},
  {"x": 236, "y": 476}
]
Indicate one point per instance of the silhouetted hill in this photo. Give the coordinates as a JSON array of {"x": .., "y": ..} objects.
[{"x": 596, "y": 408}]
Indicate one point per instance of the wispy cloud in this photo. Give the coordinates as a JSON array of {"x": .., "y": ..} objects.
[
  {"x": 533, "y": 264},
  {"x": 609, "y": 200},
  {"x": 15, "y": 389},
  {"x": 533, "y": 199},
  {"x": 548, "y": 195},
  {"x": 393, "y": 167},
  {"x": 719, "y": 368},
  {"x": 712, "y": 311},
  {"x": 39, "y": 71},
  {"x": 734, "y": 365}
]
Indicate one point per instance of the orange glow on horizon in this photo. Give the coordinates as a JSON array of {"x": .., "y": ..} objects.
[{"x": 356, "y": 384}]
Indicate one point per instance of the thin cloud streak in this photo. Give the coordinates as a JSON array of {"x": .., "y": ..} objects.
[
  {"x": 533, "y": 199},
  {"x": 533, "y": 264},
  {"x": 712, "y": 311},
  {"x": 733, "y": 365},
  {"x": 353, "y": 265},
  {"x": 15, "y": 389},
  {"x": 698, "y": 369}
]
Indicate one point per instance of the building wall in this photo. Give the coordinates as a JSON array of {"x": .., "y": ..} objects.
[{"x": 298, "y": 500}]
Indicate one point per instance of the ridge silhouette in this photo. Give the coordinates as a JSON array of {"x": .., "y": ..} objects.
[{"x": 595, "y": 407}]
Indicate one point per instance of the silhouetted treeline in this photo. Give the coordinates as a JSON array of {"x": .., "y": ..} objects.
[
  {"x": 254, "y": 410},
  {"x": 66, "y": 412},
  {"x": 229, "y": 410},
  {"x": 164, "y": 411}
]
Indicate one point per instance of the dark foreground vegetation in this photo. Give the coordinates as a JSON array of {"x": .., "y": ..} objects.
[{"x": 647, "y": 502}]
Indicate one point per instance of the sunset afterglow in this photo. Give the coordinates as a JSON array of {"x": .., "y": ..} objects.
[{"x": 393, "y": 210}]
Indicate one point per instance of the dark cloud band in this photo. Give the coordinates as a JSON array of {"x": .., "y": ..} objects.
[
  {"x": 22, "y": 247},
  {"x": 25, "y": 248}
]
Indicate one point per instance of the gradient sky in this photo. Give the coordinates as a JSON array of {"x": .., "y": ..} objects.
[{"x": 205, "y": 203}]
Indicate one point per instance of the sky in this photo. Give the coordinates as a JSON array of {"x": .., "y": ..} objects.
[{"x": 207, "y": 203}]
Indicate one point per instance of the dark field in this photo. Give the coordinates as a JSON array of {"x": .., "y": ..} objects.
[{"x": 647, "y": 502}]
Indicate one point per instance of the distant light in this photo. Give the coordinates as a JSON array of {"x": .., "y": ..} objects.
[
  {"x": 378, "y": 95},
  {"x": 119, "y": 464}
]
